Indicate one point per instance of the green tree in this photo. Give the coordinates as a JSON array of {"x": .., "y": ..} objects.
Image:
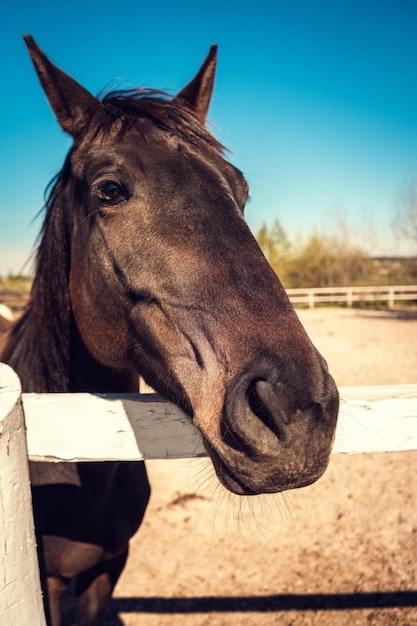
[{"x": 313, "y": 265}]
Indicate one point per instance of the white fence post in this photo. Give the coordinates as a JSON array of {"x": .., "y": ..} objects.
[
  {"x": 349, "y": 298},
  {"x": 20, "y": 590},
  {"x": 391, "y": 296}
]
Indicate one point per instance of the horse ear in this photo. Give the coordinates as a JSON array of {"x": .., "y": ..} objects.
[
  {"x": 72, "y": 104},
  {"x": 197, "y": 94}
]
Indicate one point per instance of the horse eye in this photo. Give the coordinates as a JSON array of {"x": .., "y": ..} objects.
[{"x": 110, "y": 193}]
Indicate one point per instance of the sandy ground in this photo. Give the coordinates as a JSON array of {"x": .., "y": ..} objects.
[{"x": 341, "y": 552}]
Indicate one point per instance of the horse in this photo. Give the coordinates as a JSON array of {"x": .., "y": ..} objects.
[{"x": 146, "y": 266}]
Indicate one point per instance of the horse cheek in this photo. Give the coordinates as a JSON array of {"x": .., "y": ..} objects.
[{"x": 102, "y": 328}]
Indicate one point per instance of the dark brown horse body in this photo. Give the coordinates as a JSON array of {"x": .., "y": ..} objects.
[{"x": 145, "y": 265}]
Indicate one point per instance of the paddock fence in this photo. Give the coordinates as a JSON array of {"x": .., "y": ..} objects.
[
  {"x": 392, "y": 295},
  {"x": 90, "y": 427}
]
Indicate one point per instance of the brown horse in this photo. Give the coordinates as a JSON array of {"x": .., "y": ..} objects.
[{"x": 146, "y": 266}]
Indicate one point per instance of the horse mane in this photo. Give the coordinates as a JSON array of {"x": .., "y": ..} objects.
[{"x": 38, "y": 345}]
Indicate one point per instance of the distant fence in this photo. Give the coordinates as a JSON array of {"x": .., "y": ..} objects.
[
  {"x": 350, "y": 295},
  {"x": 90, "y": 427}
]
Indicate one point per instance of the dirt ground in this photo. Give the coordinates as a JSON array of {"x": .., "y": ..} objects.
[{"x": 340, "y": 552}]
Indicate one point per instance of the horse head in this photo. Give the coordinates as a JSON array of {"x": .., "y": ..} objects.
[{"x": 166, "y": 280}]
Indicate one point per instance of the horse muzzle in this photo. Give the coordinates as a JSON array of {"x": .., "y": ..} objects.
[{"x": 275, "y": 433}]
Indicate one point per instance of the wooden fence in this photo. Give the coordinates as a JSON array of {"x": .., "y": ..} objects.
[
  {"x": 88, "y": 427},
  {"x": 349, "y": 295}
]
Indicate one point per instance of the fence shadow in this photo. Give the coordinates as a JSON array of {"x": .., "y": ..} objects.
[
  {"x": 264, "y": 604},
  {"x": 248, "y": 604},
  {"x": 386, "y": 313}
]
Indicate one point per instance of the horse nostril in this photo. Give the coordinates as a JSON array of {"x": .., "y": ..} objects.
[{"x": 258, "y": 395}]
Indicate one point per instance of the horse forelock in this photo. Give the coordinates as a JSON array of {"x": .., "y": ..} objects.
[{"x": 124, "y": 110}]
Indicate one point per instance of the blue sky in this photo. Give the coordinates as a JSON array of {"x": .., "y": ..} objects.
[{"x": 317, "y": 100}]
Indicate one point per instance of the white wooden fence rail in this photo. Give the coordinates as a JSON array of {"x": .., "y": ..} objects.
[
  {"x": 88, "y": 427},
  {"x": 350, "y": 295}
]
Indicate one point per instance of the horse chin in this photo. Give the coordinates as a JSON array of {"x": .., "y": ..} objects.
[
  {"x": 246, "y": 476},
  {"x": 227, "y": 477},
  {"x": 262, "y": 484}
]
